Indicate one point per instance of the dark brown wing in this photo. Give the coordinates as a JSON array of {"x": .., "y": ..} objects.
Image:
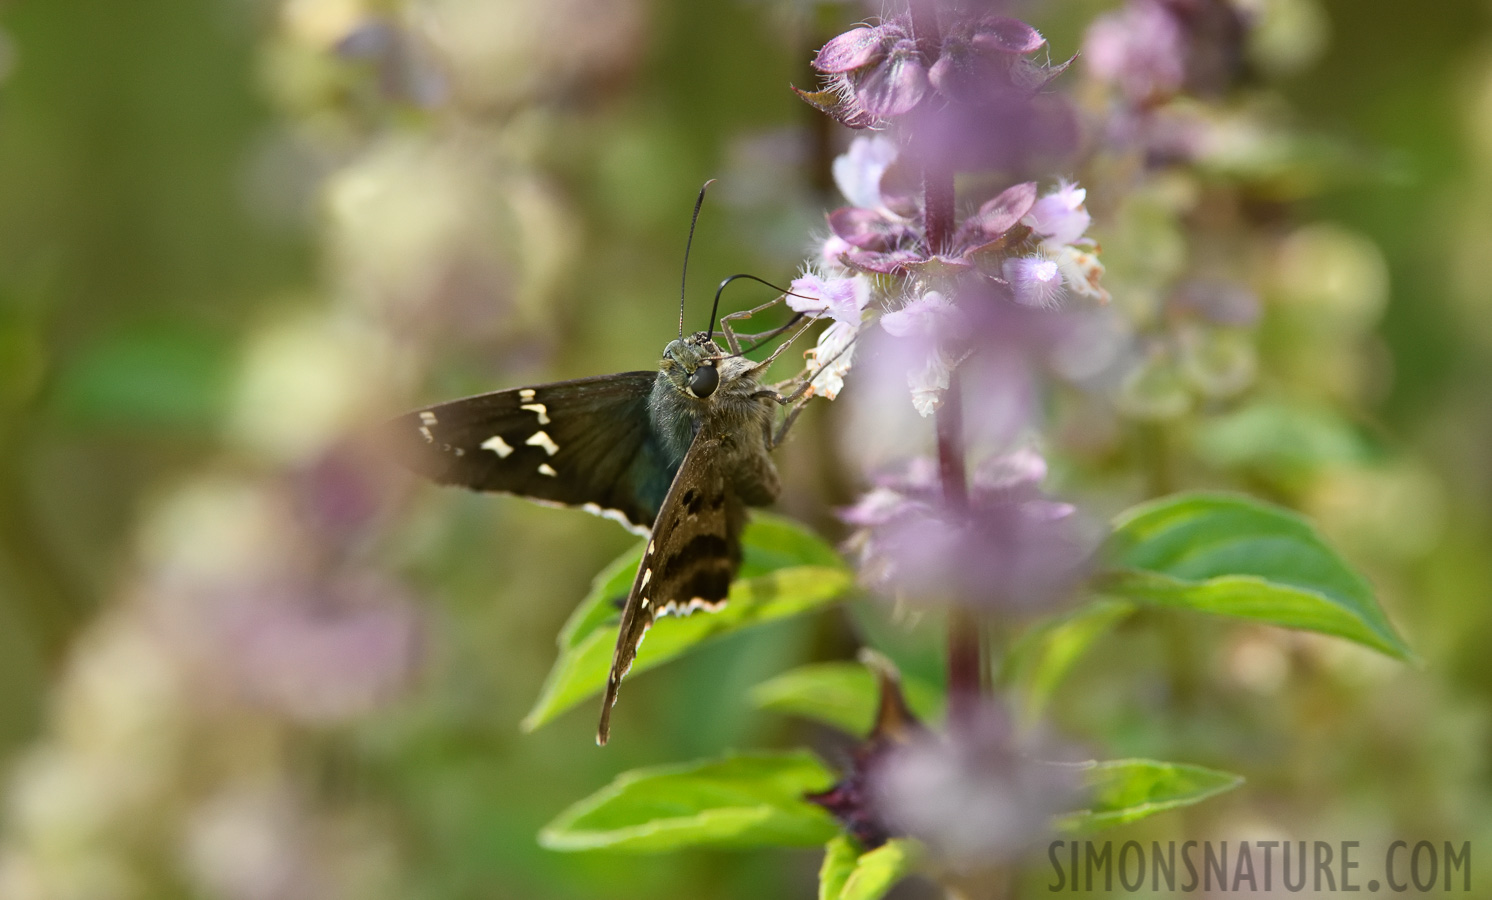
[
  {"x": 693, "y": 554},
  {"x": 587, "y": 443}
]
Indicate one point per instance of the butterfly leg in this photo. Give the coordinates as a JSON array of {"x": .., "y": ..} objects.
[
  {"x": 787, "y": 422},
  {"x": 762, "y": 366},
  {"x": 799, "y": 397},
  {"x": 734, "y": 340},
  {"x": 796, "y": 401}
]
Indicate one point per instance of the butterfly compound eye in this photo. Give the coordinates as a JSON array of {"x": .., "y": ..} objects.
[{"x": 704, "y": 380}]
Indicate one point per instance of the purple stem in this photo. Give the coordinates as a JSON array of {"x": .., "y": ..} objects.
[{"x": 964, "y": 658}]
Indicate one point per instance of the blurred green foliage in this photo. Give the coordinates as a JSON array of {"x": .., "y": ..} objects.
[{"x": 140, "y": 254}]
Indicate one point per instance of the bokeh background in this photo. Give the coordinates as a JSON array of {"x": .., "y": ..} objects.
[{"x": 231, "y": 231}]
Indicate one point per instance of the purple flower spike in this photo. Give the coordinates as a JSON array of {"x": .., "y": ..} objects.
[
  {"x": 1012, "y": 551},
  {"x": 1018, "y": 472},
  {"x": 1035, "y": 281},
  {"x": 1007, "y": 35},
  {"x": 895, "y": 85},
  {"x": 977, "y": 796},
  {"x": 855, "y": 49}
]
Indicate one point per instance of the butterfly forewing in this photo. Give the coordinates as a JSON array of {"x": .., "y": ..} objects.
[
  {"x": 691, "y": 557},
  {"x": 585, "y": 443}
]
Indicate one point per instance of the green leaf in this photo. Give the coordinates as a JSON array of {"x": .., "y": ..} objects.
[
  {"x": 1234, "y": 556},
  {"x": 849, "y": 874},
  {"x": 785, "y": 571},
  {"x": 840, "y": 856},
  {"x": 1127, "y": 790},
  {"x": 744, "y": 800},
  {"x": 1044, "y": 656},
  {"x": 842, "y": 694},
  {"x": 148, "y": 378},
  {"x": 1286, "y": 441}
]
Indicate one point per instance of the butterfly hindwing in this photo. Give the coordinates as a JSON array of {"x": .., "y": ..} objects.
[
  {"x": 691, "y": 557},
  {"x": 584, "y": 443}
]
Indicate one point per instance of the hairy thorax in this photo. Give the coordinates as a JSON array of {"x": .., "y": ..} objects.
[{"x": 738, "y": 413}]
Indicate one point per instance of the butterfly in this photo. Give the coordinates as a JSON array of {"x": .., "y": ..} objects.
[{"x": 677, "y": 454}]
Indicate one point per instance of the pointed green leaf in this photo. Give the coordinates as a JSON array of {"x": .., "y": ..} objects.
[
  {"x": 877, "y": 871},
  {"x": 848, "y": 873},
  {"x": 1231, "y": 555},
  {"x": 842, "y": 694},
  {"x": 840, "y": 856},
  {"x": 743, "y": 800},
  {"x": 1286, "y": 441},
  {"x": 1126, "y": 790},
  {"x": 785, "y": 571},
  {"x": 1043, "y": 657}
]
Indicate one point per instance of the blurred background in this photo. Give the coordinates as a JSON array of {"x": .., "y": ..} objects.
[{"x": 237, "y": 660}]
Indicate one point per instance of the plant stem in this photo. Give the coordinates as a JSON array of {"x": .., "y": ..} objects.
[
  {"x": 965, "y": 666},
  {"x": 964, "y": 657}
]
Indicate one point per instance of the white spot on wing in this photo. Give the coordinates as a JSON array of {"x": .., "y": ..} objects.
[
  {"x": 538, "y": 409},
  {"x": 547, "y": 469},
  {"x": 497, "y": 445},
  {"x": 647, "y": 575},
  {"x": 698, "y": 603},
  {"x": 542, "y": 439},
  {"x": 526, "y": 394},
  {"x": 614, "y": 515},
  {"x": 427, "y": 417},
  {"x": 429, "y": 438}
]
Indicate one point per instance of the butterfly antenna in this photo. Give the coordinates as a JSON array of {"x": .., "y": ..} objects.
[
  {"x": 684, "y": 279},
  {"x": 718, "y": 291}
]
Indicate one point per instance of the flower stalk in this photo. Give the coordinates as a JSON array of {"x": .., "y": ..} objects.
[{"x": 965, "y": 662}]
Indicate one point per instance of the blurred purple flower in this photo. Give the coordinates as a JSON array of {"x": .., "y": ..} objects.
[
  {"x": 1141, "y": 48},
  {"x": 1011, "y": 129},
  {"x": 1013, "y": 550},
  {"x": 977, "y": 796},
  {"x": 343, "y": 494},
  {"x": 315, "y": 650},
  {"x": 1217, "y": 301},
  {"x": 406, "y": 70},
  {"x": 1154, "y": 49},
  {"x": 926, "y": 328},
  {"x": 982, "y": 54}
]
